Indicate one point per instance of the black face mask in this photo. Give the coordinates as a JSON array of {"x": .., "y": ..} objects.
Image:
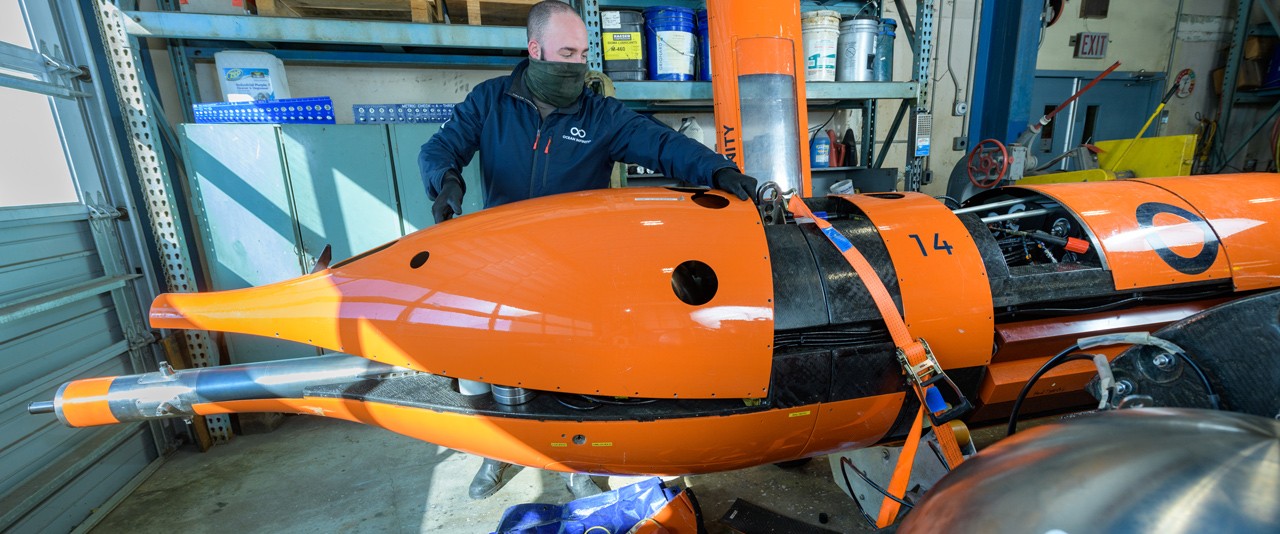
[{"x": 555, "y": 83}]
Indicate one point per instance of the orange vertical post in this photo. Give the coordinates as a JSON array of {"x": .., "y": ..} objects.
[{"x": 757, "y": 78}]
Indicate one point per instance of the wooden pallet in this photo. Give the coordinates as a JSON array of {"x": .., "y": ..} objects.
[
  {"x": 491, "y": 12},
  {"x": 413, "y": 10},
  {"x": 474, "y": 12}
]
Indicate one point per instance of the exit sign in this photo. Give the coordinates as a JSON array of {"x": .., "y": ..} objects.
[{"x": 1091, "y": 45}]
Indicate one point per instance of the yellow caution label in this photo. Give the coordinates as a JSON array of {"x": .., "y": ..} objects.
[
  {"x": 559, "y": 444},
  {"x": 622, "y": 46},
  {"x": 602, "y": 444},
  {"x": 798, "y": 414}
]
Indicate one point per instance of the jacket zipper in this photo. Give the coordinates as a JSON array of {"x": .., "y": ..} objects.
[
  {"x": 533, "y": 169},
  {"x": 546, "y": 150},
  {"x": 547, "y": 165}
]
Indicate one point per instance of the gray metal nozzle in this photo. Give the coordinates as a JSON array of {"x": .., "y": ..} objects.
[{"x": 39, "y": 407}]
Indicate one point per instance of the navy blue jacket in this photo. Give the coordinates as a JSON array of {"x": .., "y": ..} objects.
[{"x": 524, "y": 156}]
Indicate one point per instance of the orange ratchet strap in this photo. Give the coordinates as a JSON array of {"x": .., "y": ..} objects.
[{"x": 918, "y": 363}]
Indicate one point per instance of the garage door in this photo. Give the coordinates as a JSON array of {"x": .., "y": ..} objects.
[{"x": 73, "y": 275}]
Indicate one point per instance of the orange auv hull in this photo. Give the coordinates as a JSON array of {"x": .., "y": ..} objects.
[{"x": 550, "y": 294}]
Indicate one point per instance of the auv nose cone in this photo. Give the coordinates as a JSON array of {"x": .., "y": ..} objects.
[{"x": 632, "y": 292}]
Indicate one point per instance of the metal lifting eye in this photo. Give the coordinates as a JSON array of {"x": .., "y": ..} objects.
[{"x": 694, "y": 283}]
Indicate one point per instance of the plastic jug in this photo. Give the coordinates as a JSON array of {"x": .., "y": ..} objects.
[
  {"x": 820, "y": 152},
  {"x": 690, "y": 128}
]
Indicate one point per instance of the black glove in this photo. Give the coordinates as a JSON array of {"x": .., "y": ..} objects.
[
  {"x": 449, "y": 201},
  {"x": 729, "y": 179}
]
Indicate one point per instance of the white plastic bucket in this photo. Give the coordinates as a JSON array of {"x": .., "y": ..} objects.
[{"x": 821, "y": 34}]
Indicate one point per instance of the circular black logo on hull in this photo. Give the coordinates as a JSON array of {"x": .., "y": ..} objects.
[{"x": 1146, "y": 214}]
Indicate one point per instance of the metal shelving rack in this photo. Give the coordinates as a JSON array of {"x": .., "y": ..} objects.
[
  {"x": 1219, "y": 157},
  {"x": 195, "y": 37}
]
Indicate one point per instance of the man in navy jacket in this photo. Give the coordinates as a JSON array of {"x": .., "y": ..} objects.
[{"x": 540, "y": 131}]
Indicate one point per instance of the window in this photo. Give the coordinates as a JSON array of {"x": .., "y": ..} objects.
[
  {"x": 13, "y": 26},
  {"x": 35, "y": 169}
]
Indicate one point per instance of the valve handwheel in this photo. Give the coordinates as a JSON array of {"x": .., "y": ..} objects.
[{"x": 988, "y": 164}]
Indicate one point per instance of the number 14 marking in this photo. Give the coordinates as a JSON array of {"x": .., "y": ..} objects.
[{"x": 937, "y": 244}]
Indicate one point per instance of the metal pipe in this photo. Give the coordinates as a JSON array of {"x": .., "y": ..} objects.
[
  {"x": 1001, "y": 204},
  {"x": 1011, "y": 216},
  {"x": 168, "y": 393}
]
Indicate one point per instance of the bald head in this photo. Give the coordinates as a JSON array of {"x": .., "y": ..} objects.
[{"x": 557, "y": 33}]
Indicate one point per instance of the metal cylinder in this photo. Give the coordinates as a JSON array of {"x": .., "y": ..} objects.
[
  {"x": 472, "y": 387},
  {"x": 167, "y": 393},
  {"x": 1138, "y": 470},
  {"x": 511, "y": 396},
  {"x": 856, "y": 53},
  {"x": 1014, "y": 215},
  {"x": 40, "y": 407},
  {"x": 770, "y": 128}
]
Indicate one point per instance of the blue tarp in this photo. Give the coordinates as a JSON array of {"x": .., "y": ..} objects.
[{"x": 614, "y": 511}]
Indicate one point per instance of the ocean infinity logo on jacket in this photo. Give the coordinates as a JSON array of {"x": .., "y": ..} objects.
[{"x": 579, "y": 135}]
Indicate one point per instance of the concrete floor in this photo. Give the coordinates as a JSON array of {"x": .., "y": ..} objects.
[{"x": 322, "y": 475}]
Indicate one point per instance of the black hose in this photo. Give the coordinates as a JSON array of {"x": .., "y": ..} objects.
[
  {"x": 618, "y": 402},
  {"x": 945, "y": 198},
  {"x": 1066, "y": 355},
  {"x": 1094, "y": 309},
  {"x": 1208, "y": 388},
  {"x": 561, "y": 399},
  {"x": 863, "y": 476}
]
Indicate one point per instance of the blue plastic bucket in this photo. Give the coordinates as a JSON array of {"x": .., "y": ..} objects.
[
  {"x": 670, "y": 43},
  {"x": 704, "y": 47}
]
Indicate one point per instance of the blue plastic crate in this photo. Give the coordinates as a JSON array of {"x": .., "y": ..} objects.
[
  {"x": 314, "y": 110},
  {"x": 401, "y": 113}
]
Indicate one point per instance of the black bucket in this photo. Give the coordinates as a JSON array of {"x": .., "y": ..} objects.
[{"x": 622, "y": 37}]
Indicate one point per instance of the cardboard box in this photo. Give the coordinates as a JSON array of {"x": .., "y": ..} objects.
[
  {"x": 1258, "y": 47},
  {"x": 1249, "y": 77}
]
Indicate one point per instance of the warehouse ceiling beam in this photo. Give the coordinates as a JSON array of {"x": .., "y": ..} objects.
[
  {"x": 168, "y": 25},
  {"x": 199, "y": 52},
  {"x": 680, "y": 91}
]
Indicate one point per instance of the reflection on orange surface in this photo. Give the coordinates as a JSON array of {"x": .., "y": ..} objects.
[
  {"x": 1110, "y": 211},
  {"x": 1245, "y": 221},
  {"x": 84, "y": 402},
  {"x": 567, "y": 293}
]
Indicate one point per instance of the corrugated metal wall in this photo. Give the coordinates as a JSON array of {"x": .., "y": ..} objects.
[
  {"x": 51, "y": 476},
  {"x": 74, "y": 280}
]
